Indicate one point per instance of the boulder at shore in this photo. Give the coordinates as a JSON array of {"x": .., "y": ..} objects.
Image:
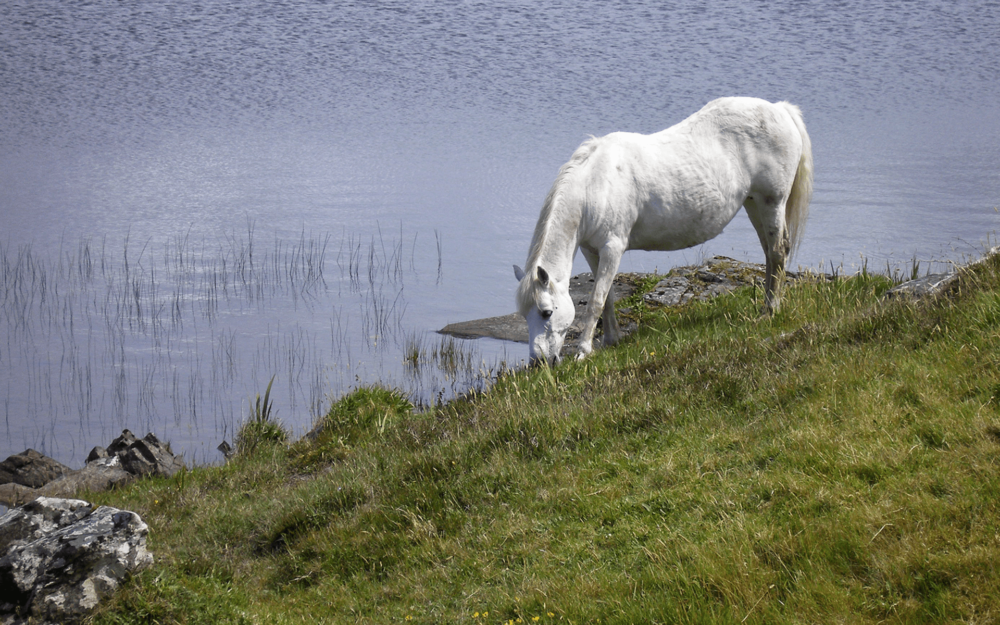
[
  {"x": 127, "y": 457},
  {"x": 60, "y": 557},
  {"x": 30, "y": 468}
]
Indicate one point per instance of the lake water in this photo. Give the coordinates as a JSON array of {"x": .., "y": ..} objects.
[{"x": 198, "y": 196}]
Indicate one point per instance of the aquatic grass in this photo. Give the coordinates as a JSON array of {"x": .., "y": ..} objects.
[
  {"x": 452, "y": 355},
  {"x": 453, "y": 361},
  {"x": 414, "y": 353},
  {"x": 139, "y": 333}
]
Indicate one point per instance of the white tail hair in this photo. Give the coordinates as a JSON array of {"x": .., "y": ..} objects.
[{"x": 797, "y": 206}]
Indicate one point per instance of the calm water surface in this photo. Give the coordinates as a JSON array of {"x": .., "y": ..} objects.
[{"x": 196, "y": 196}]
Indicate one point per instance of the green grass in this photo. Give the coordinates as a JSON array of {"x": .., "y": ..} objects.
[
  {"x": 260, "y": 428},
  {"x": 834, "y": 463}
]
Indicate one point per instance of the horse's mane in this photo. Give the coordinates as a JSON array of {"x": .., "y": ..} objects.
[{"x": 525, "y": 290}]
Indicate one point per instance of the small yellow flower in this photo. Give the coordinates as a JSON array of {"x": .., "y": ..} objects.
[
  {"x": 535, "y": 618},
  {"x": 476, "y": 615},
  {"x": 550, "y": 614}
]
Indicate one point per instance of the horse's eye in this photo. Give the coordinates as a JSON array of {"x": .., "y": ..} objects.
[{"x": 546, "y": 313}]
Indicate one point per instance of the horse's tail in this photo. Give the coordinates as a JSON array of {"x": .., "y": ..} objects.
[{"x": 797, "y": 206}]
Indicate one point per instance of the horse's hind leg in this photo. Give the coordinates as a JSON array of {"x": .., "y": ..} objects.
[
  {"x": 774, "y": 275},
  {"x": 768, "y": 218}
]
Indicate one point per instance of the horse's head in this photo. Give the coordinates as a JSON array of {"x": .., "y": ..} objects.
[{"x": 548, "y": 308}]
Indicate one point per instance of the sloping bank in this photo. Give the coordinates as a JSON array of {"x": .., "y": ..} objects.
[{"x": 833, "y": 463}]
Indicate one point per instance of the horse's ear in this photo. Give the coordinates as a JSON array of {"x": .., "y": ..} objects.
[
  {"x": 543, "y": 277},
  {"x": 518, "y": 273}
]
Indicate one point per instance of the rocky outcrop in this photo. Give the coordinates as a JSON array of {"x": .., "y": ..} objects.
[
  {"x": 706, "y": 280},
  {"x": 60, "y": 557},
  {"x": 934, "y": 283},
  {"x": 142, "y": 456},
  {"x": 125, "y": 459},
  {"x": 30, "y": 468},
  {"x": 717, "y": 276},
  {"x": 513, "y": 327},
  {"x": 930, "y": 284},
  {"x": 714, "y": 277},
  {"x": 94, "y": 477}
]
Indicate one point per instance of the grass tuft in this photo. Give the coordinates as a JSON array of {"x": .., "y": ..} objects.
[{"x": 260, "y": 428}]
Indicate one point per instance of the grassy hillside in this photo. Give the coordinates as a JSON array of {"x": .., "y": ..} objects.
[{"x": 836, "y": 463}]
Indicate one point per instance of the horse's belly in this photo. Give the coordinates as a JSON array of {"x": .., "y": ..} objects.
[{"x": 666, "y": 230}]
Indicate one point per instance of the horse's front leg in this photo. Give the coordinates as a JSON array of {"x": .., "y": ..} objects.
[
  {"x": 604, "y": 275},
  {"x": 612, "y": 331}
]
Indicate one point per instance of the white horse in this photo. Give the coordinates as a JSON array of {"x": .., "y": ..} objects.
[{"x": 666, "y": 191}]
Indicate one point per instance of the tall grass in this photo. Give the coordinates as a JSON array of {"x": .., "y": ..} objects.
[
  {"x": 833, "y": 463},
  {"x": 261, "y": 427}
]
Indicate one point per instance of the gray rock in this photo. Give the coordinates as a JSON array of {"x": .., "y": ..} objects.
[
  {"x": 14, "y": 494},
  {"x": 922, "y": 287},
  {"x": 121, "y": 444},
  {"x": 935, "y": 283},
  {"x": 97, "y": 453},
  {"x": 125, "y": 459},
  {"x": 139, "y": 456},
  {"x": 60, "y": 557},
  {"x": 672, "y": 291},
  {"x": 30, "y": 468},
  {"x": 94, "y": 477},
  {"x": 510, "y": 327},
  {"x": 148, "y": 456}
]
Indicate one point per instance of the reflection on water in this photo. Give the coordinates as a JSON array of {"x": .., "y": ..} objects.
[
  {"x": 139, "y": 139},
  {"x": 177, "y": 339}
]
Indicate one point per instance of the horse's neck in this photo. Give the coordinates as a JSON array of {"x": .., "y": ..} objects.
[{"x": 558, "y": 248}]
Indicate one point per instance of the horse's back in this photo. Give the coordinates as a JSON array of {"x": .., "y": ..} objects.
[
  {"x": 681, "y": 186},
  {"x": 738, "y": 144},
  {"x": 749, "y": 125}
]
